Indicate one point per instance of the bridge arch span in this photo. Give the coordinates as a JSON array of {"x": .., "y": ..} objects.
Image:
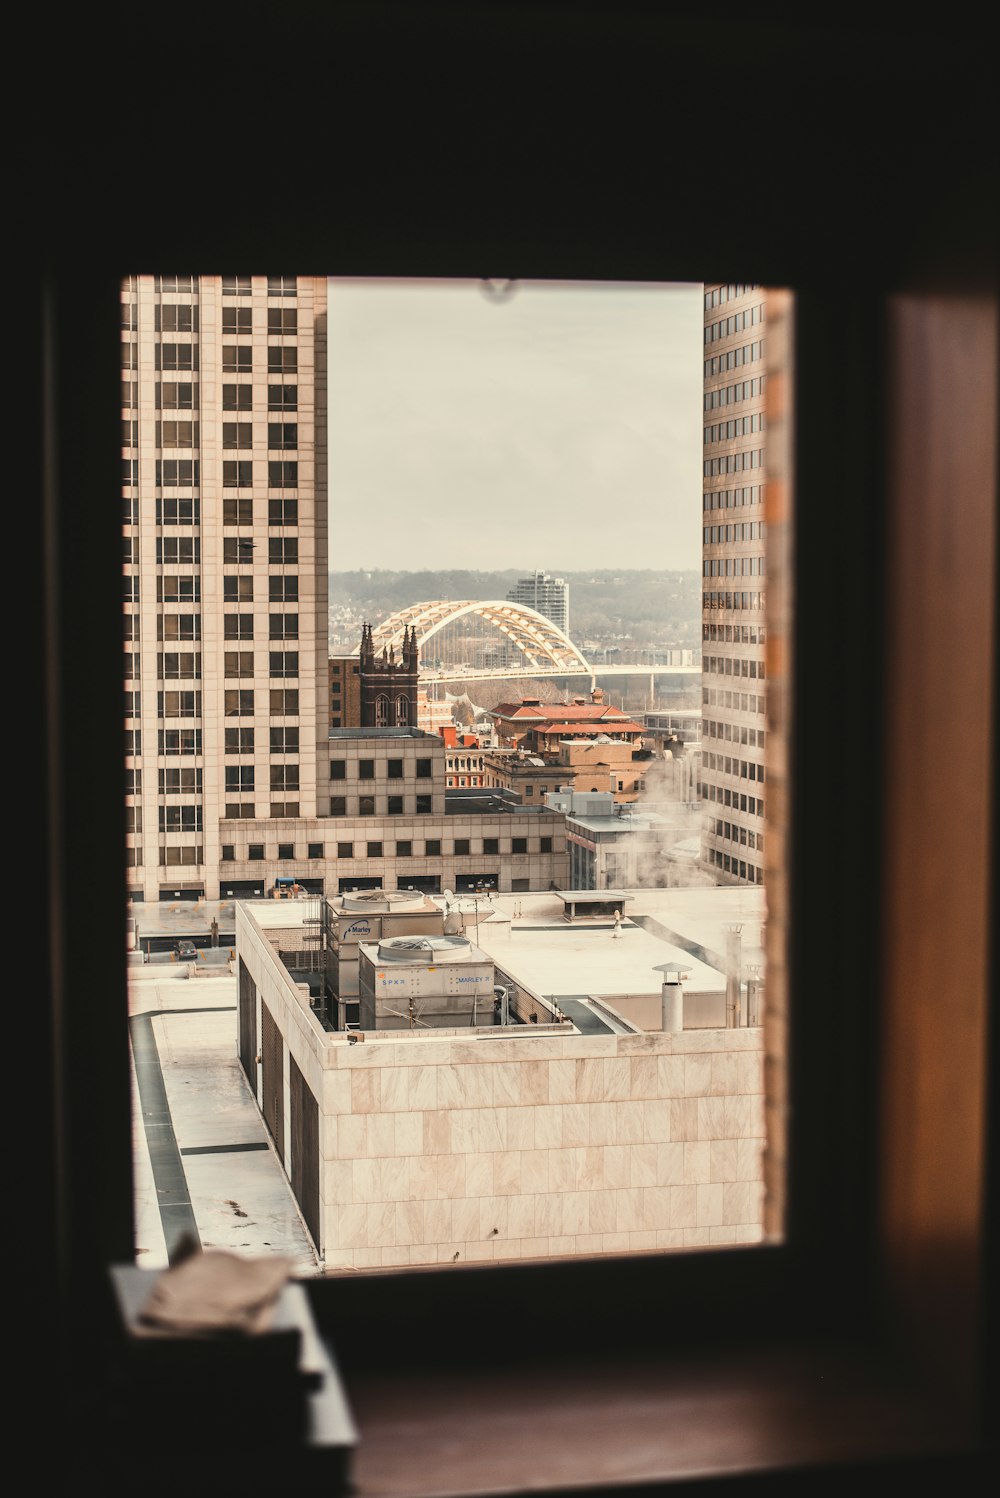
[{"x": 540, "y": 644}]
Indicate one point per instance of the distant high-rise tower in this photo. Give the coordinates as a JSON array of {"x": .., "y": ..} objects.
[
  {"x": 388, "y": 684},
  {"x": 225, "y": 552},
  {"x": 733, "y": 584},
  {"x": 547, "y": 595}
]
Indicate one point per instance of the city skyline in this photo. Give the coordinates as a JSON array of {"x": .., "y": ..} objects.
[{"x": 533, "y": 427}]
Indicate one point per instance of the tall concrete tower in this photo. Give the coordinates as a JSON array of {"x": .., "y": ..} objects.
[
  {"x": 733, "y": 584},
  {"x": 225, "y": 565}
]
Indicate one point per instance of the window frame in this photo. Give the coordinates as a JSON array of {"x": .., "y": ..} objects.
[{"x": 764, "y": 1291}]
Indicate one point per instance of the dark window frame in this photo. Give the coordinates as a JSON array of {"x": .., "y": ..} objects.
[{"x": 92, "y": 1233}]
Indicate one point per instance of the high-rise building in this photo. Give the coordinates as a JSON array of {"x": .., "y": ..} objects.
[
  {"x": 733, "y": 584},
  {"x": 225, "y": 561},
  {"x": 547, "y": 595}
]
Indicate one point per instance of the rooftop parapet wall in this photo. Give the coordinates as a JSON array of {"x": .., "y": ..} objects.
[
  {"x": 512, "y": 1149},
  {"x": 436, "y": 1149}
]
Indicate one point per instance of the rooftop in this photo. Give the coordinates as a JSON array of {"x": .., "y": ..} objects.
[
  {"x": 533, "y": 942},
  {"x": 382, "y": 733},
  {"x": 559, "y": 712},
  {"x": 467, "y": 799}
]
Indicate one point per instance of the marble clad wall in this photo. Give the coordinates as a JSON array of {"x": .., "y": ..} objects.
[{"x": 441, "y": 1150}]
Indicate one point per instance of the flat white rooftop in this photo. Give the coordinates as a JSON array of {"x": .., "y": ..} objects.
[{"x": 530, "y": 939}]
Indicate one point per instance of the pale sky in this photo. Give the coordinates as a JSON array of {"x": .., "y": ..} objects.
[{"x": 558, "y": 427}]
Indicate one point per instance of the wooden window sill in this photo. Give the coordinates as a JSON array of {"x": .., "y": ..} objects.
[{"x": 546, "y": 1427}]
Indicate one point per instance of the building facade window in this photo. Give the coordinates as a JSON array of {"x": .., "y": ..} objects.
[
  {"x": 239, "y": 703},
  {"x": 283, "y": 663}
]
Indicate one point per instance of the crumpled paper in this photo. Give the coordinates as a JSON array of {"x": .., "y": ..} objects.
[{"x": 215, "y": 1294}]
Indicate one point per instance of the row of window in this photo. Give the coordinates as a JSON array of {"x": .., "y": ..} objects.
[
  {"x": 172, "y": 665},
  {"x": 239, "y": 434},
  {"x": 280, "y": 740},
  {"x": 239, "y": 549},
  {"x": 237, "y": 473},
  {"x": 730, "y": 395},
  {"x": 182, "y": 317},
  {"x": 243, "y": 285},
  {"x": 284, "y": 702},
  {"x": 741, "y": 600},
  {"x": 187, "y": 741},
  {"x": 174, "y": 433},
  {"x": 738, "y": 800},
  {"x": 231, "y": 285},
  {"x": 735, "y": 733},
  {"x": 724, "y": 665},
  {"x": 279, "y": 626},
  {"x": 172, "y": 317},
  {"x": 171, "y": 856},
  {"x": 178, "y": 781},
  {"x": 279, "y": 397},
  {"x": 732, "y": 499},
  {"x": 241, "y": 778},
  {"x": 173, "y": 395},
  {"x": 751, "y": 872},
  {"x": 736, "y": 323},
  {"x": 742, "y": 530},
  {"x": 723, "y": 765},
  {"x": 735, "y": 634},
  {"x": 732, "y": 463},
  {"x": 736, "y": 358},
  {"x": 173, "y": 626},
  {"x": 281, "y": 435},
  {"x": 185, "y": 551},
  {"x": 166, "y": 357},
  {"x": 281, "y": 663},
  {"x": 183, "y": 395},
  {"x": 180, "y": 818},
  {"x": 238, "y": 510},
  {"x": 237, "y": 358},
  {"x": 734, "y": 832},
  {"x": 420, "y": 806},
  {"x": 722, "y": 294},
  {"x": 739, "y": 426},
  {"x": 247, "y": 811},
  {"x": 169, "y": 741},
  {"x": 432, "y": 848},
  {"x": 395, "y": 769},
  {"x": 733, "y": 567},
  {"x": 742, "y": 701},
  {"x": 281, "y": 321},
  {"x": 279, "y": 589}
]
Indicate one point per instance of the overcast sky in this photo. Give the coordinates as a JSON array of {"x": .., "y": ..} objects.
[{"x": 556, "y": 427}]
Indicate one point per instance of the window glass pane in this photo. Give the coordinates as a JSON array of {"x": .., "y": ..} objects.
[{"x": 591, "y": 744}]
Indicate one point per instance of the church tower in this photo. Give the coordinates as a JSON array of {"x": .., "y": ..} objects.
[{"x": 388, "y": 683}]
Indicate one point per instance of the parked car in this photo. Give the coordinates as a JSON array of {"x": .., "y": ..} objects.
[{"x": 185, "y": 951}]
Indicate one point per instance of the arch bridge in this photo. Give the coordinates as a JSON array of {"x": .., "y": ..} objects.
[{"x": 537, "y": 645}]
